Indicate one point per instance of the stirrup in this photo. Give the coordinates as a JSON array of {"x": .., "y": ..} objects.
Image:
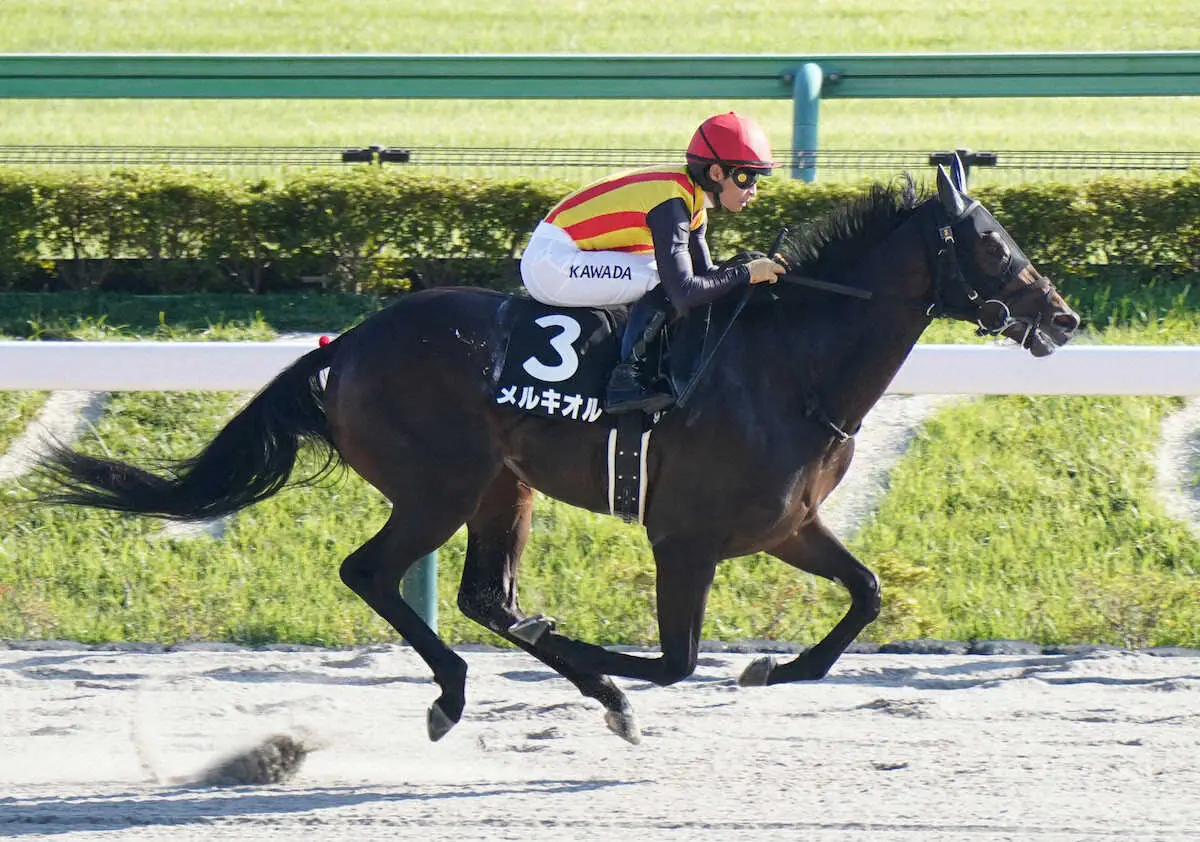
[{"x": 628, "y": 391}]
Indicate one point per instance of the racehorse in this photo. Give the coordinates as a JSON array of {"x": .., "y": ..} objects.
[{"x": 405, "y": 399}]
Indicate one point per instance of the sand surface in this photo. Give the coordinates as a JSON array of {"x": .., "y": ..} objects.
[{"x": 101, "y": 745}]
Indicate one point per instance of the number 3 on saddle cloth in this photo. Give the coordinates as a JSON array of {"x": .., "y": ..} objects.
[{"x": 554, "y": 362}]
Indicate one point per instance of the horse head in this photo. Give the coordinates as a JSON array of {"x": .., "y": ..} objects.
[{"x": 982, "y": 276}]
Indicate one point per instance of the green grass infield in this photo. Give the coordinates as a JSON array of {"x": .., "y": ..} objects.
[{"x": 1010, "y": 517}]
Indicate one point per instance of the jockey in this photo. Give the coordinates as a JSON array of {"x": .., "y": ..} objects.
[{"x": 643, "y": 231}]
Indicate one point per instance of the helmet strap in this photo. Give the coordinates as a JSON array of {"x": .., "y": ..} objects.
[{"x": 716, "y": 157}]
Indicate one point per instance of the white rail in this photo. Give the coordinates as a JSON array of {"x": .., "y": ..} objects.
[{"x": 931, "y": 369}]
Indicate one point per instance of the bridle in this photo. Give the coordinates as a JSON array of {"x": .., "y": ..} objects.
[{"x": 986, "y": 301}]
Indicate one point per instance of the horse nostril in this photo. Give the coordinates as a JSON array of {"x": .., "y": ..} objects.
[{"x": 1067, "y": 321}]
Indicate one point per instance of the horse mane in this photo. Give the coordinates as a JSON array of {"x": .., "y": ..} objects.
[{"x": 829, "y": 245}]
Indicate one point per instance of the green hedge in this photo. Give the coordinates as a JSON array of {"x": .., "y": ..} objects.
[{"x": 372, "y": 229}]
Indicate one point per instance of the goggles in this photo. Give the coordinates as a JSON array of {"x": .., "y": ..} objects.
[{"x": 746, "y": 177}]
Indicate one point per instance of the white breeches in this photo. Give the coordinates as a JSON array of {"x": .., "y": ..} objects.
[{"x": 556, "y": 271}]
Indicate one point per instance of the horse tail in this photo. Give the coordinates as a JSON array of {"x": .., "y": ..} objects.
[{"x": 249, "y": 460}]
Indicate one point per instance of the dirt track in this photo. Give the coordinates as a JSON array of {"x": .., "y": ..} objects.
[{"x": 903, "y": 747}]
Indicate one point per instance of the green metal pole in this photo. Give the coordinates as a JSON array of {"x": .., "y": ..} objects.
[
  {"x": 420, "y": 589},
  {"x": 806, "y": 102}
]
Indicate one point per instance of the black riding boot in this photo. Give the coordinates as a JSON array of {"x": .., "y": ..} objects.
[{"x": 630, "y": 387}]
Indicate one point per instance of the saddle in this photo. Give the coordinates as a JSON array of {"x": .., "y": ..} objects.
[{"x": 555, "y": 361}]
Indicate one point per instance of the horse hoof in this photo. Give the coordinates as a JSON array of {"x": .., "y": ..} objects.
[
  {"x": 622, "y": 723},
  {"x": 531, "y": 629},
  {"x": 438, "y": 723},
  {"x": 758, "y": 673}
]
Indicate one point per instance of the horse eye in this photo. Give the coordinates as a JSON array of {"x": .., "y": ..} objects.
[{"x": 995, "y": 245}]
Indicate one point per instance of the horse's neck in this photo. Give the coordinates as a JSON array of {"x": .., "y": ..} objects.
[
  {"x": 861, "y": 353},
  {"x": 858, "y": 377}
]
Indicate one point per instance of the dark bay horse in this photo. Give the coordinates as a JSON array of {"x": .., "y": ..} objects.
[{"x": 405, "y": 400}]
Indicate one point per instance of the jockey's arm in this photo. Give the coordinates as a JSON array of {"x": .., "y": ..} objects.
[
  {"x": 702, "y": 262},
  {"x": 687, "y": 273}
]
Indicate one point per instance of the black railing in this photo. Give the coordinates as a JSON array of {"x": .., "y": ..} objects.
[{"x": 831, "y": 162}]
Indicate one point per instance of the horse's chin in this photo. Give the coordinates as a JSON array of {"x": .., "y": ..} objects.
[
  {"x": 1043, "y": 343},
  {"x": 1039, "y": 343},
  {"x": 1040, "y": 348}
]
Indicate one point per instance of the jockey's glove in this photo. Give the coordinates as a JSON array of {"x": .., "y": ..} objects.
[{"x": 764, "y": 270}]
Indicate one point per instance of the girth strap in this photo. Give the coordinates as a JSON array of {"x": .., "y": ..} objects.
[{"x": 628, "y": 444}]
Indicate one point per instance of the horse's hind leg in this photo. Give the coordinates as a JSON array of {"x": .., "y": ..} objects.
[
  {"x": 496, "y": 537},
  {"x": 816, "y": 550},
  {"x": 685, "y": 569},
  {"x": 374, "y": 571}
]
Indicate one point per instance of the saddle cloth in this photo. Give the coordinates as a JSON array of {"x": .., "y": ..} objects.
[{"x": 555, "y": 361}]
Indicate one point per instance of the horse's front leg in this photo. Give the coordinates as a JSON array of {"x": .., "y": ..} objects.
[{"x": 816, "y": 550}]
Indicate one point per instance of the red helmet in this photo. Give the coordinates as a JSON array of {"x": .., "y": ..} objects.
[{"x": 733, "y": 141}]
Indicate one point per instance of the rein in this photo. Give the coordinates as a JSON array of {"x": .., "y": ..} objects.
[
  {"x": 992, "y": 315},
  {"x": 826, "y": 286}
]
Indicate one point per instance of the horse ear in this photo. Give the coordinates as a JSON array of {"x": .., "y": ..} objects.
[
  {"x": 958, "y": 173},
  {"x": 952, "y": 198}
]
